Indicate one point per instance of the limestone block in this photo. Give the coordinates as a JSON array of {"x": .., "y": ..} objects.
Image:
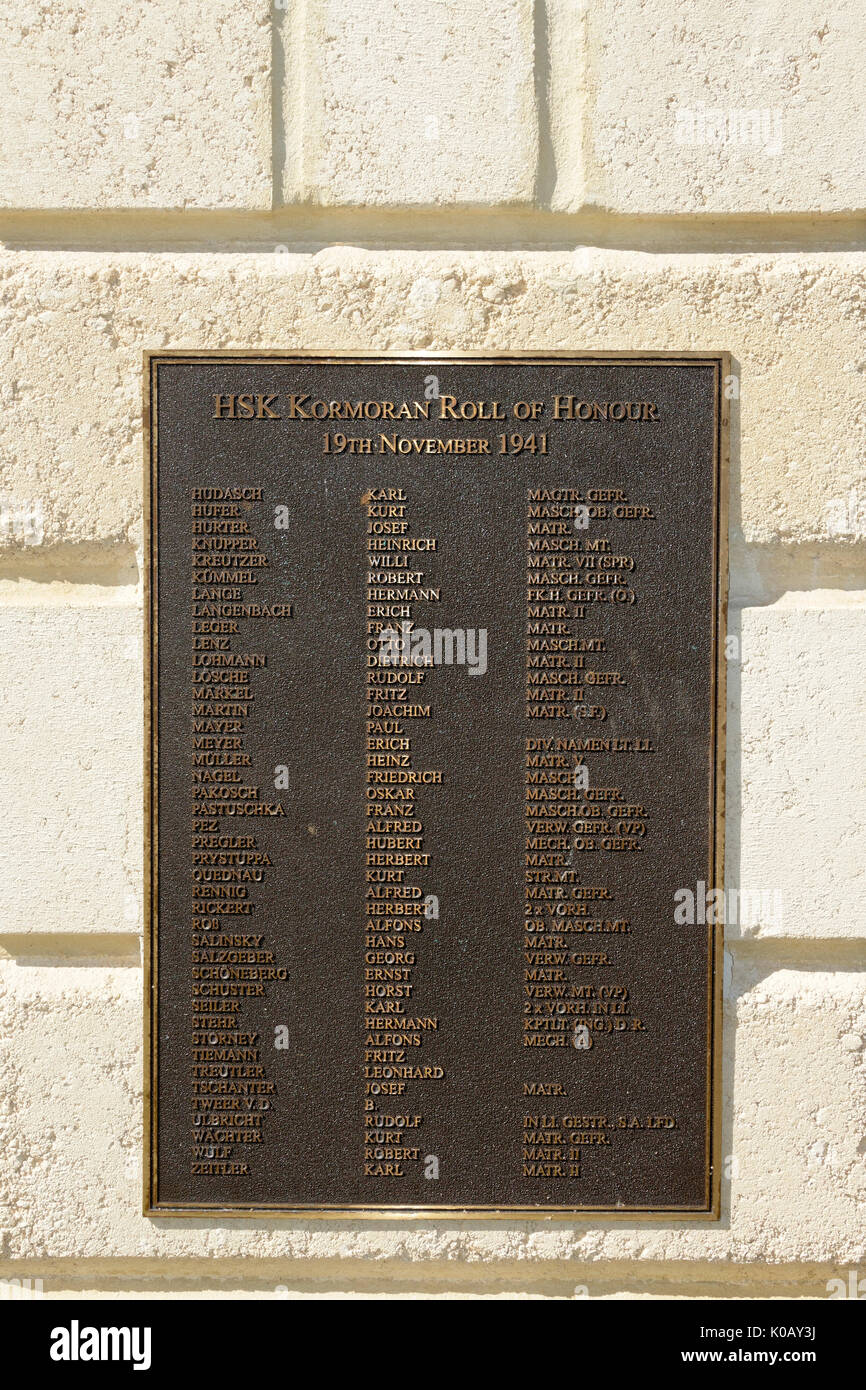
[
  {"x": 743, "y": 108},
  {"x": 797, "y": 741},
  {"x": 74, "y": 326},
  {"x": 108, "y": 104},
  {"x": 70, "y": 775},
  {"x": 793, "y": 1187},
  {"x": 407, "y": 104}
]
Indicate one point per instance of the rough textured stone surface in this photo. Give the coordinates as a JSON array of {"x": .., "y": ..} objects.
[
  {"x": 793, "y": 323},
  {"x": 445, "y": 124},
  {"x": 70, "y": 774},
  {"x": 741, "y": 108},
  {"x": 796, "y": 818},
  {"x": 794, "y": 1191},
  {"x": 345, "y": 1278},
  {"x": 442, "y": 124},
  {"x": 109, "y": 104},
  {"x": 405, "y": 103}
]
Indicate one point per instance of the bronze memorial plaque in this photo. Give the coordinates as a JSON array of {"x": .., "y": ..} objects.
[{"x": 435, "y": 695}]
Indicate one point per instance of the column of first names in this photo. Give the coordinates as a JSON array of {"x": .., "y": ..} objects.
[{"x": 399, "y": 1028}]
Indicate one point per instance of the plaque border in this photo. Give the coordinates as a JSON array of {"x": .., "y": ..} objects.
[{"x": 710, "y": 1211}]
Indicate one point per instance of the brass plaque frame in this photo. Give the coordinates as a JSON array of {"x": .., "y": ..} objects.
[{"x": 710, "y": 1211}]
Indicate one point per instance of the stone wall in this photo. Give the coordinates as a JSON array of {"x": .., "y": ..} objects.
[{"x": 455, "y": 174}]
